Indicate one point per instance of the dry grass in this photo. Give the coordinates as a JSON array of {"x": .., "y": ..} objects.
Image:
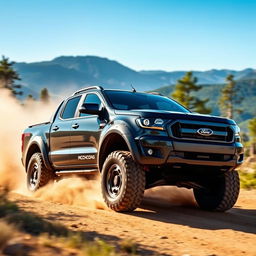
[
  {"x": 6, "y": 207},
  {"x": 52, "y": 234},
  {"x": 27, "y": 222},
  {"x": 77, "y": 241},
  {"x": 129, "y": 246},
  {"x": 98, "y": 247},
  {"x": 6, "y": 234}
]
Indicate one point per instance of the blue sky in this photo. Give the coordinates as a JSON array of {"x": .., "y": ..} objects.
[{"x": 142, "y": 34}]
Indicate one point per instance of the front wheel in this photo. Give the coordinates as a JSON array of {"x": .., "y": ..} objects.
[
  {"x": 122, "y": 182},
  {"x": 219, "y": 193},
  {"x": 37, "y": 173}
]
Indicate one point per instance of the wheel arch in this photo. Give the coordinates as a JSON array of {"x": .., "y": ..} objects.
[
  {"x": 112, "y": 141},
  {"x": 37, "y": 146}
]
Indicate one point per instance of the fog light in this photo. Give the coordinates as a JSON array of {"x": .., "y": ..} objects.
[{"x": 150, "y": 152}]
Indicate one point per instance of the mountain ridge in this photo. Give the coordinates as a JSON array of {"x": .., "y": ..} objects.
[{"x": 81, "y": 71}]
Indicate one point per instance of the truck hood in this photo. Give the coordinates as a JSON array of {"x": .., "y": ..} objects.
[{"x": 146, "y": 113}]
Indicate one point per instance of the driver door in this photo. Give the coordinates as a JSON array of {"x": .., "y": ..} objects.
[
  {"x": 60, "y": 133},
  {"x": 84, "y": 138}
]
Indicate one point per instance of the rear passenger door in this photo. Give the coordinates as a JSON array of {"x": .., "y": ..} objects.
[
  {"x": 85, "y": 135},
  {"x": 60, "y": 133}
]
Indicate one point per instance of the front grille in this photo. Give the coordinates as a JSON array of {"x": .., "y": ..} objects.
[{"x": 186, "y": 129}]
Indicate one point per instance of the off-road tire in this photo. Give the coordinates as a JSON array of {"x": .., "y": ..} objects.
[
  {"x": 44, "y": 175},
  {"x": 221, "y": 194},
  {"x": 133, "y": 182}
]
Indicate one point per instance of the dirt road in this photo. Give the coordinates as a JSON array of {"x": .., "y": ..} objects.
[{"x": 160, "y": 227}]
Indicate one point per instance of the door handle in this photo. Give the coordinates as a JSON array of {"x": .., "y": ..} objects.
[
  {"x": 75, "y": 126},
  {"x": 56, "y": 128}
]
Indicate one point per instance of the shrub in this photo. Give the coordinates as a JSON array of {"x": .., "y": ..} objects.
[
  {"x": 248, "y": 180},
  {"x": 6, "y": 207},
  {"x": 128, "y": 246},
  {"x": 98, "y": 248}
]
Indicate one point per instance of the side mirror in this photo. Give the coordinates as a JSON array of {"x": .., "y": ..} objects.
[{"x": 90, "y": 108}]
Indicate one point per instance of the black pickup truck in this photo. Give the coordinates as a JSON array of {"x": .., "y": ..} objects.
[{"x": 136, "y": 141}]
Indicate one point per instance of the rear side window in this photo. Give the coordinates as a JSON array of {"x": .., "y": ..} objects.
[{"x": 70, "y": 108}]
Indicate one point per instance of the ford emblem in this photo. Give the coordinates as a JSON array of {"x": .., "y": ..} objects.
[{"x": 205, "y": 131}]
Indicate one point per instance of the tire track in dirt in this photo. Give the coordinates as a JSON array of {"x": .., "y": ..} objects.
[{"x": 160, "y": 227}]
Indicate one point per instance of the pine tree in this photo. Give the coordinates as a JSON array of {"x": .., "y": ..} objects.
[
  {"x": 252, "y": 129},
  {"x": 44, "y": 95},
  {"x": 184, "y": 94},
  {"x": 8, "y": 76},
  {"x": 229, "y": 97}
]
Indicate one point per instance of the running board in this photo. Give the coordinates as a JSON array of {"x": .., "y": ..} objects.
[{"x": 76, "y": 172}]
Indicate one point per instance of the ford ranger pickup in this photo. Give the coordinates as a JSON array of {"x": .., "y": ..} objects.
[{"x": 136, "y": 141}]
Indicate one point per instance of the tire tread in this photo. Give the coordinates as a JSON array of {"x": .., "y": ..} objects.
[
  {"x": 225, "y": 198},
  {"x": 134, "y": 187},
  {"x": 46, "y": 175},
  {"x": 232, "y": 188}
]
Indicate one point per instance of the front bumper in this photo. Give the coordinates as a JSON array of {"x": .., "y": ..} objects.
[{"x": 169, "y": 151}]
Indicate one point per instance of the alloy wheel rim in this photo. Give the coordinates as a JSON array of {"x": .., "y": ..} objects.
[
  {"x": 114, "y": 181},
  {"x": 34, "y": 176}
]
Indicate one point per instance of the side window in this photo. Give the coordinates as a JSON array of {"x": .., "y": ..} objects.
[
  {"x": 91, "y": 98},
  {"x": 70, "y": 108}
]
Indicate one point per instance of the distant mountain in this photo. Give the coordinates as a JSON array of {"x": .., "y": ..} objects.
[
  {"x": 213, "y": 76},
  {"x": 250, "y": 75},
  {"x": 76, "y": 72},
  {"x": 68, "y": 73}
]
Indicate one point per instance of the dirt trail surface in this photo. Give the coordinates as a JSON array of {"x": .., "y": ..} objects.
[{"x": 160, "y": 227}]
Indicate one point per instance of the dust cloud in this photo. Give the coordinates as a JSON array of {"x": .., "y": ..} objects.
[
  {"x": 73, "y": 191},
  {"x": 166, "y": 196},
  {"x": 15, "y": 117}
]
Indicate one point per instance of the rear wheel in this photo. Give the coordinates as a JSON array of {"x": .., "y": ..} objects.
[
  {"x": 122, "y": 182},
  {"x": 219, "y": 193},
  {"x": 37, "y": 173}
]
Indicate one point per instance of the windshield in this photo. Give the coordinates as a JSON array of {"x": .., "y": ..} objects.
[{"x": 124, "y": 100}]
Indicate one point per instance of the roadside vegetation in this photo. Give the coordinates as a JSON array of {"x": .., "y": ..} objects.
[
  {"x": 248, "y": 177},
  {"x": 248, "y": 169},
  {"x": 9, "y": 78},
  {"x": 35, "y": 233},
  {"x": 248, "y": 180}
]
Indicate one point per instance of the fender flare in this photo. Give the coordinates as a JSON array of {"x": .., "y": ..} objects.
[
  {"x": 38, "y": 141},
  {"x": 127, "y": 137}
]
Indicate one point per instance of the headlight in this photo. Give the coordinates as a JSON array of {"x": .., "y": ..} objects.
[{"x": 152, "y": 123}]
